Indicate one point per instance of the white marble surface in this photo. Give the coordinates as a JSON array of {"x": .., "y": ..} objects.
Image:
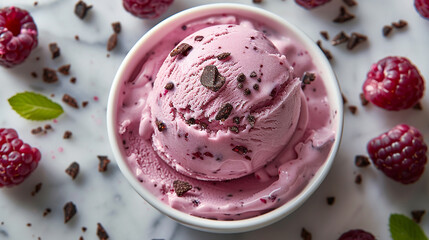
[{"x": 109, "y": 199}]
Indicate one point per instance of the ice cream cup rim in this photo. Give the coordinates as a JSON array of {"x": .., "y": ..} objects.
[{"x": 199, "y": 223}]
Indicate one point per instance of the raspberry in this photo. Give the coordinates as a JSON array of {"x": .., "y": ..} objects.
[
  {"x": 17, "y": 159},
  {"x": 400, "y": 153},
  {"x": 148, "y": 9},
  {"x": 356, "y": 234},
  {"x": 18, "y": 36},
  {"x": 394, "y": 83},
  {"x": 309, "y": 4},
  {"x": 422, "y": 7}
]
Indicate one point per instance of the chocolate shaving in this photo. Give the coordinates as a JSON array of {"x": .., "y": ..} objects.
[
  {"x": 223, "y": 56},
  {"x": 355, "y": 39},
  {"x": 330, "y": 200},
  {"x": 112, "y": 42},
  {"x": 116, "y": 26},
  {"x": 49, "y": 75},
  {"x": 169, "y": 86},
  {"x": 353, "y": 109},
  {"x": 417, "y": 215},
  {"x": 81, "y": 9},
  {"x": 198, "y": 38},
  {"x": 73, "y": 170},
  {"x": 325, "y": 51},
  {"x": 65, "y": 69},
  {"x": 344, "y": 16},
  {"x": 67, "y": 135},
  {"x": 251, "y": 119},
  {"x": 350, "y": 3},
  {"x": 325, "y": 35},
  {"x": 234, "y": 129},
  {"x": 362, "y": 161},
  {"x": 241, "y": 77},
  {"x": 224, "y": 112},
  {"x": 104, "y": 162},
  {"x": 160, "y": 125},
  {"x": 69, "y": 211},
  {"x": 400, "y": 24},
  {"x": 211, "y": 78},
  {"x": 340, "y": 38},
  {"x": 305, "y": 235},
  {"x": 363, "y": 100},
  {"x": 37, "y": 189},
  {"x": 55, "y": 50},
  {"x": 240, "y": 150},
  {"x": 70, "y": 101},
  {"x": 182, "y": 49},
  {"x": 181, "y": 187},
  {"x": 387, "y": 30},
  {"x": 101, "y": 232}
]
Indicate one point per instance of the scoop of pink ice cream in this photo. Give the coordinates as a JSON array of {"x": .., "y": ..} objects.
[{"x": 223, "y": 105}]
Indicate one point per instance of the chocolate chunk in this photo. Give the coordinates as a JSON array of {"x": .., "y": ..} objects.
[
  {"x": 69, "y": 211},
  {"x": 84, "y": 103},
  {"x": 116, "y": 26},
  {"x": 181, "y": 187},
  {"x": 418, "y": 106},
  {"x": 325, "y": 35},
  {"x": 49, "y": 75},
  {"x": 169, "y": 86},
  {"x": 67, "y": 135},
  {"x": 34, "y": 74},
  {"x": 73, "y": 170},
  {"x": 240, "y": 85},
  {"x": 70, "y": 101},
  {"x": 330, "y": 200},
  {"x": 102, "y": 165},
  {"x": 76, "y": 37},
  {"x": 37, "y": 189},
  {"x": 350, "y": 3},
  {"x": 417, "y": 215},
  {"x": 73, "y": 80},
  {"x": 344, "y": 16},
  {"x": 387, "y": 30},
  {"x": 325, "y": 51},
  {"x": 305, "y": 235},
  {"x": 211, "y": 78},
  {"x": 307, "y": 78},
  {"x": 84, "y": 229},
  {"x": 340, "y": 38},
  {"x": 101, "y": 232},
  {"x": 223, "y": 56},
  {"x": 247, "y": 92},
  {"x": 355, "y": 39},
  {"x": 48, "y": 127},
  {"x": 160, "y": 125},
  {"x": 400, "y": 24},
  {"x": 256, "y": 87},
  {"x": 358, "y": 179},
  {"x": 190, "y": 121},
  {"x": 362, "y": 161},
  {"x": 112, "y": 42},
  {"x": 236, "y": 120},
  {"x": 55, "y": 50},
  {"x": 36, "y": 130},
  {"x": 46, "y": 212},
  {"x": 353, "y": 109},
  {"x": 65, "y": 69},
  {"x": 253, "y": 74},
  {"x": 234, "y": 129},
  {"x": 198, "y": 38},
  {"x": 224, "y": 112},
  {"x": 241, "y": 77},
  {"x": 81, "y": 9},
  {"x": 363, "y": 100},
  {"x": 240, "y": 150},
  {"x": 182, "y": 49},
  {"x": 251, "y": 119}
]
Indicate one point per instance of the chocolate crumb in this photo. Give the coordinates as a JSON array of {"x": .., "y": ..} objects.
[
  {"x": 211, "y": 78},
  {"x": 84, "y": 103},
  {"x": 48, "y": 127},
  {"x": 224, "y": 112},
  {"x": 81, "y": 238},
  {"x": 112, "y": 42},
  {"x": 387, "y": 30},
  {"x": 70, "y": 101},
  {"x": 234, "y": 129},
  {"x": 69, "y": 211},
  {"x": 190, "y": 121},
  {"x": 325, "y": 51},
  {"x": 241, "y": 77},
  {"x": 355, "y": 39},
  {"x": 169, "y": 86},
  {"x": 73, "y": 80},
  {"x": 251, "y": 119},
  {"x": 34, "y": 74},
  {"x": 240, "y": 85},
  {"x": 417, "y": 215},
  {"x": 84, "y": 229},
  {"x": 240, "y": 150},
  {"x": 363, "y": 100},
  {"x": 236, "y": 120},
  {"x": 400, "y": 24},
  {"x": 344, "y": 98},
  {"x": 362, "y": 161},
  {"x": 198, "y": 38},
  {"x": 256, "y": 87},
  {"x": 160, "y": 125},
  {"x": 330, "y": 201},
  {"x": 37, "y": 130},
  {"x": 55, "y": 50},
  {"x": 353, "y": 109},
  {"x": 223, "y": 56},
  {"x": 418, "y": 106},
  {"x": 81, "y": 9},
  {"x": 28, "y": 224},
  {"x": 76, "y": 37},
  {"x": 182, "y": 49},
  {"x": 358, "y": 179},
  {"x": 67, "y": 135},
  {"x": 101, "y": 232},
  {"x": 35, "y": 3},
  {"x": 247, "y": 92},
  {"x": 307, "y": 78},
  {"x": 116, "y": 26},
  {"x": 181, "y": 187},
  {"x": 104, "y": 162},
  {"x": 253, "y": 74},
  {"x": 344, "y": 16},
  {"x": 340, "y": 38},
  {"x": 184, "y": 27},
  {"x": 37, "y": 189},
  {"x": 350, "y": 3},
  {"x": 46, "y": 212},
  {"x": 305, "y": 235},
  {"x": 49, "y": 75},
  {"x": 73, "y": 170},
  {"x": 324, "y": 35},
  {"x": 65, "y": 69}
]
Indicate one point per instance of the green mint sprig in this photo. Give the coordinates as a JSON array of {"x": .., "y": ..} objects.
[
  {"x": 403, "y": 228},
  {"x": 34, "y": 106}
]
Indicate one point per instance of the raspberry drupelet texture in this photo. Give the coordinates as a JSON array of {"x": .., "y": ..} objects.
[
  {"x": 356, "y": 234},
  {"x": 18, "y": 36},
  {"x": 310, "y": 4},
  {"x": 17, "y": 159},
  {"x": 148, "y": 9},
  {"x": 422, "y": 7},
  {"x": 394, "y": 83},
  {"x": 399, "y": 153}
]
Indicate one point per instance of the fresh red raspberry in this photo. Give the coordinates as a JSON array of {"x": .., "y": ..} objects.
[
  {"x": 18, "y": 36},
  {"x": 356, "y": 234},
  {"x": 400, "y": 153},
  {"x": 394, "y": 83},
  {"x": 17, "y": 159},
  {"x": 309, "y": 4},
  {"x": 148, "y": 9},
  {"x": 422, "y": 7}
]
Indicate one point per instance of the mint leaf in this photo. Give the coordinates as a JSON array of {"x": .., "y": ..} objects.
[
  {"x": 34, "y": 106},
  {"x": 403, "y": 228}
]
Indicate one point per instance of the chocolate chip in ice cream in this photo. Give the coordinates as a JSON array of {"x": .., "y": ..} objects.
[
  {"x": 223, "y": 56},
  {"x": 344, "y": 16},
  {"x": 169, "y": 86},
  {"x": 240, "y": 150},
  {"x": 247, "y": 92},
  {"x": 236, "y": 120},
  {"x": 241, "y": 77},
  {"x": 251, "y": 119},
  {"x": 358, "y": 179},
  {"x": 211, "y": 78},
  {"x": 253, "y": 74},
  {"x": 234, "y": 129},
  {"x": 224, "y": 112},
  {"x": 256, "y": 87},
  {"x": 181, "y": 187},
  {"x": 307, "y": 78},
  {"x": 198, "y": 38},
  {"x": 182, "y": 49}
]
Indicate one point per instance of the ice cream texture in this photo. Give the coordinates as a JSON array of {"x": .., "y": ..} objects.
[{"x": 219, "y": 105}]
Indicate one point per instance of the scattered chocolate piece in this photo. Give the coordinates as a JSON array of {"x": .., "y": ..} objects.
[
  {"x": 55, "y": 50},
  {"x": 184, "y": 27},
  {"x": 241, "y": 77},
  {"x": 350, "y": 3},
  {"x": 69, "y": 100},
  {"x": 101, "y": 232},
  {"x": 81, "y": 9},
  {"x": 104, "y": 161},
  {"x": 198, "y": 38},
  {"x": 344, "y": 98},
  {"x": 305, "y": 235},
  {"x": 325, "y": 35},
  {"x": 48, "y": 127},
  {"x": 190, "y": 121},
  {"x": 65, "y": 69},
  {"x": 224, "y": 112},
  {"x": 169, "y": 86},
  {"x": 49, "y": 75},
  {"x": 236, "y": 120},
  {"x": 344, "y": 16},
  {"x": 84, "y": 229},
  {"x": 240, "y": 85},
  {"x": 257, "y": 1},
  {"x": 181, "y": 187},
  {"x": 340, "y": 38},
  {"x": 363, "y": 100},
  {"x": 46, "y": 212},
  {"x": 37, "y": 189},
  {"x": 330, "y": 200},
  {"x": 358, "y": 179},
  {"x": 116, "y": 26},
  {"x": 417, "y": 215},
  {"x": 28, "y": 224},
  {"x": 160, "y": 125},
  {"x": 81, "y": 238},
  {"x": 34, "y": 74},
  {"x": 418, "y": 106},
  {"x": 362, "y": 161},
  {"x": 400, "y": 24},
  {"x": 37, "y": 130},
  {"x": 69, "y": 211},
  {"x": 253, "y": 74},
  {"x": 325, "y": 51},
  {"x": 35, "y": 3},
  {"x": 387, "y": 30},
  {"x": 240, "y": 150},
  {"x": 307, "y": 78},
  {"x": 256, "y": 87},
  {"x": 84, "y": 103},
  {"x": 353, "y": 109},
  {"x": 211, "y": 78},
  {"x": 182, "y": 49},
  {"x": 223, "y": 56},
  {"x": 355, "y": 39},
  {"x": 112, "y": 42},
  {"x": 73, "y": 80},
  {"x": 251, "y": 119},
  {"x": 234, "y": 129},
  {"x": 247, "y": 92},
  {"x": 73, "y": 170}
]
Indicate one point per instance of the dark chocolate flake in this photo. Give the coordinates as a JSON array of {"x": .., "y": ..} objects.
[
  {"x": 190, "y": 121},
  {"x": 325, "y": 51},
  {"x": 73, "y": 170},
  {"x": 240, "y": 85},
  {"x": 240, "y": 150},
  {"x": 363, "y": 100},
  {"x": 418, "y": 106},
  {"x": 65, "y": 69},
  {"x": 251, "y": 119},
  {"x": 211, "y": 78},
  {"x": 182, "y": 49},
  {"x": 104, "y": 162},
  {"x": 70, "y": 101},
  {"x": 67, "y": 135},
  {"x": 253, "y": 74},
  {"x": 234, "y": 129},
  {"x": 344, "y": 16},
  {"x": 324, "y": 35},
  {"x": 37, "y": 189},
  {"x": 400, "y": 24},
  {"x": 353, "y": 109},
  {"x": 305, "y": 235},
  {"x": 223, "y": 56},
  {"x": 160, "y": 125},
  {"x": 36, "y": 130},
  {"x": 307, "y": 78},
  {"x": 101, "y": 232},
  {"x": 181, "y": 187},
  {"x": 256, "y": 87},
  {"x": 116, "y": 26},
  {"x": 69, "y": 211},
  {"x": 236, "y": 120},
  {"x": 340, "y": 38},
  {"x": 55, "y": 50},
  {"x": 387, "y": 30},
  {"x": 241, "y": 77},
  {"x": 355, "y": 39},
  {"x": 112, "y": 42},
  {"x": 169, "y": 86},
  {"x": 247, "y": 92},
  {"x": 46, "y": 212},
  {"x": 81, "y": 9},
  {"x": 73, "y": 80},
  {"x": 49, "y": 75},
  {"x": 198, "y": 38},
  {"x": 417, "y": 215},
  {"x": 362, "y": 161},
  {"x": 224, "y": 112}
]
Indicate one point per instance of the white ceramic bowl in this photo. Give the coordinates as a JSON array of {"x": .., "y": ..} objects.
[{"x": 148, "y": 41}]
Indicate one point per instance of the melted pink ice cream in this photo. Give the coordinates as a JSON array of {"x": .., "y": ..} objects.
[{"x": 289, "y": 140}]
